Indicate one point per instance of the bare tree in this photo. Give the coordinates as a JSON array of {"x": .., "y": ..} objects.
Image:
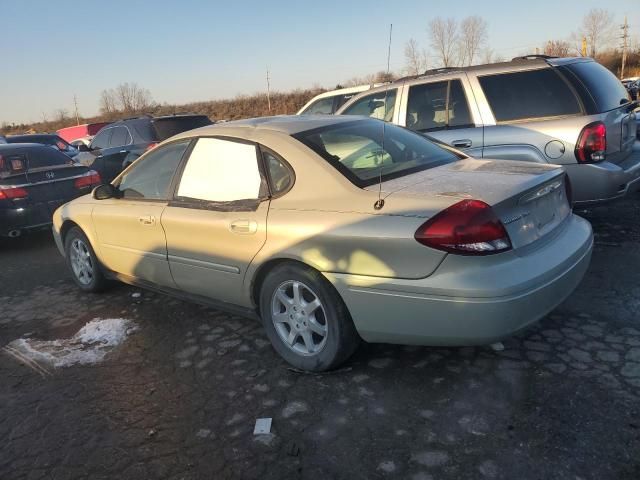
[
  {"x": 472, "y": 37},
  {"x": 127, "y": 98},
  {"x": 443, "y": 33},
  {"x": 415, "y": 58},
  {"x": 557, "y": 48},
  {"x": 61, "y": 114},
  {"x": 132, "y": 98},
  {"x": 597, "y": 28},
  {"x": 108, "y": 102}
]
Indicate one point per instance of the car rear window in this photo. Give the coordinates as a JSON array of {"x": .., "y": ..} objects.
[
  {"x": 168, "y": 127},
  {"x": 606, "y": 90},
  {"x": 530, "y": 94},
  {"x": 367, "y": 150},
  {"x": 46, "y": 157}
]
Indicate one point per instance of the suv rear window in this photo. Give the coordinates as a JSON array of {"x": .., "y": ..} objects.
[
  {"x": 529, "y": 94},
  {"x": 605, "y": 88},
  {"x": 168, "y": 127}
]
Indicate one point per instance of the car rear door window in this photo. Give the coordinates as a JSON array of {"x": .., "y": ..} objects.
[
  {"x": 280, "y": 175},
  {"x": 119, "y": 137},
  {"x": 150, "y": 177},
  {"x": 437, "y": 106},
  {"x": 529, "y": 94},
  {"x": 379, "y": 105},
  {"x": 221, "y": 170},
  {"x": 101, "y": 140}
]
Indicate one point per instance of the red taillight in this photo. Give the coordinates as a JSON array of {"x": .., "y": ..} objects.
[
  {"x": 89, "y": 179},
  {"x": 468, "y": 228},
  {"x": 12, "y": 193},
  {"x": 592, "y": 143},
  {"x": 151, "y": 146}
]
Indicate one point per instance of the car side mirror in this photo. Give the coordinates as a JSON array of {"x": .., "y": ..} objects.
[
  {"x": 105, "y": 191},
  {"x": 83, "y": 148}
]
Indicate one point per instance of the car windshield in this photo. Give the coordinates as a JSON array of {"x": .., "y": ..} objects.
[{"x": 367, "y": 150}]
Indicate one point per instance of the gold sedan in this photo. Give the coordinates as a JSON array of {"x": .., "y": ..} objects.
[{"x": 332, "y": 230}]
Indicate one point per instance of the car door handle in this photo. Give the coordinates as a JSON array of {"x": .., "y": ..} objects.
[
  {"x": 123, "y": 151},
  {"x": 243, "y": 227},
  {"x": 464, "y": 143},
  {"x": 147, "y": 220}
]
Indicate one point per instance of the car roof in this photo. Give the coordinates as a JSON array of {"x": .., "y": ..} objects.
[
  {"x": 288, "y": 124},
  {"x": 33, "y": 135},
  {"x": 517, "y": 64},
  {"x": 9, "y": 147}
]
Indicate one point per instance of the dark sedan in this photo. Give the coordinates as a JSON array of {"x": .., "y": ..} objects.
[{"x": 34, "y": 181}]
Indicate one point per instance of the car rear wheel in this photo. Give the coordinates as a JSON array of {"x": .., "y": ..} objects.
[
  {"x": 82, "y": 262},
  {"x": 305, "y": 318}
]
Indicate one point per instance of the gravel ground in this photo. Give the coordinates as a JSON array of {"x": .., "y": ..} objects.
[{"x": 180, "y": 396}]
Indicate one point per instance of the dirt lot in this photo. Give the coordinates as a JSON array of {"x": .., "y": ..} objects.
[{"x": 179, "y": 398}]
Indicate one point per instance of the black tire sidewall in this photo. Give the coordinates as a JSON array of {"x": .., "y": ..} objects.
[
  {"x": 97, "y": 281},
  {"x": 341, "y": 337}
]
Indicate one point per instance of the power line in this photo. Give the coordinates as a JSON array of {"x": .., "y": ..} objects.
[
  {"x": 625, "y": 37},
  {"x": 268, "y": 91}
]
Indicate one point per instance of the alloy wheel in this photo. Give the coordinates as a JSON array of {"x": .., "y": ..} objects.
[
  {"x": 299, "y": 318},
  {"x": 81, "y": 263}
]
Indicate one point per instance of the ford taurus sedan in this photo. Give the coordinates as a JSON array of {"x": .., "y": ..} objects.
[{"x": 332, "y": 230}]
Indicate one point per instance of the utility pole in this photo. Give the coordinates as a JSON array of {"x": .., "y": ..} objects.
[
  {"x": 75, "y": 103},
  {"x": 625, "y": 37},
  {"x": 584, "y": 46},
  {"x": 268, "y": 91}
]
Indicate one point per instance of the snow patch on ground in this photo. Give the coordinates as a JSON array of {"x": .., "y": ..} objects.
[{"x": 89, "y": 345}]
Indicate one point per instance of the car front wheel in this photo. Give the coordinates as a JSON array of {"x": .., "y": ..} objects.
[
  {"x": 82, "y": 262},
  {"x": 305, "y": 318}
]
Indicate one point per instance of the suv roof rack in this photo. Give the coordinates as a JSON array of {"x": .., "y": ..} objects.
[
  {"x": 533, "y": 57},
  {"x": 146, "y": 115},
  {"x": 433, "y": 71}
]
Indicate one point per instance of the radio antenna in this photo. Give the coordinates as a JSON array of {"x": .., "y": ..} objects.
[{"x": 380, "y": 202}]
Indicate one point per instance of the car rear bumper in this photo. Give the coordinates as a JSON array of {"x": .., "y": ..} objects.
[
  {"x": 470, "y": 300},
  {"x": 21, "y": 219},
  {"x": 602, "y": 182}
]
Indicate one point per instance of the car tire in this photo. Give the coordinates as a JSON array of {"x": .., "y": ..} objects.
[
  {"x": 82, "y": 262},
  {"x": 306, "y": 321}
]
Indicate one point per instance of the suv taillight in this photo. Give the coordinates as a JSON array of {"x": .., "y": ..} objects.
[
  {"x": 151, "y": 146},
  {"x": 12, "y": 193},
  {"x": 89, "y": 179},
  {"x": 469, "y": 227},
  {"x": 592, "y": 143}
]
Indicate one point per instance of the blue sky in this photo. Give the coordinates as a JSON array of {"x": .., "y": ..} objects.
[{"x": 202, "y": 50}]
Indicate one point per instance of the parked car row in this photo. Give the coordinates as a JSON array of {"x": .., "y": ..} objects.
[{"x": 333, "y": 229}]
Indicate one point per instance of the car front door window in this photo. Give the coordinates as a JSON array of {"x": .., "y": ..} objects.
[{"x": 150, "y": 177}]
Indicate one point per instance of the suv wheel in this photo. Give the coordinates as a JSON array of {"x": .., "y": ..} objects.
[
  {"x": 82, "y": 262},
  {"x": 305, "y": 319}
]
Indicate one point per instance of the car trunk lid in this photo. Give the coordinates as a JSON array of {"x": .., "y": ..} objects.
[{"x": 529, "y": 199}]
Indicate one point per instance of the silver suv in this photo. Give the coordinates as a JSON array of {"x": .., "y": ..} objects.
[{"x": 568, "y": 111}]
